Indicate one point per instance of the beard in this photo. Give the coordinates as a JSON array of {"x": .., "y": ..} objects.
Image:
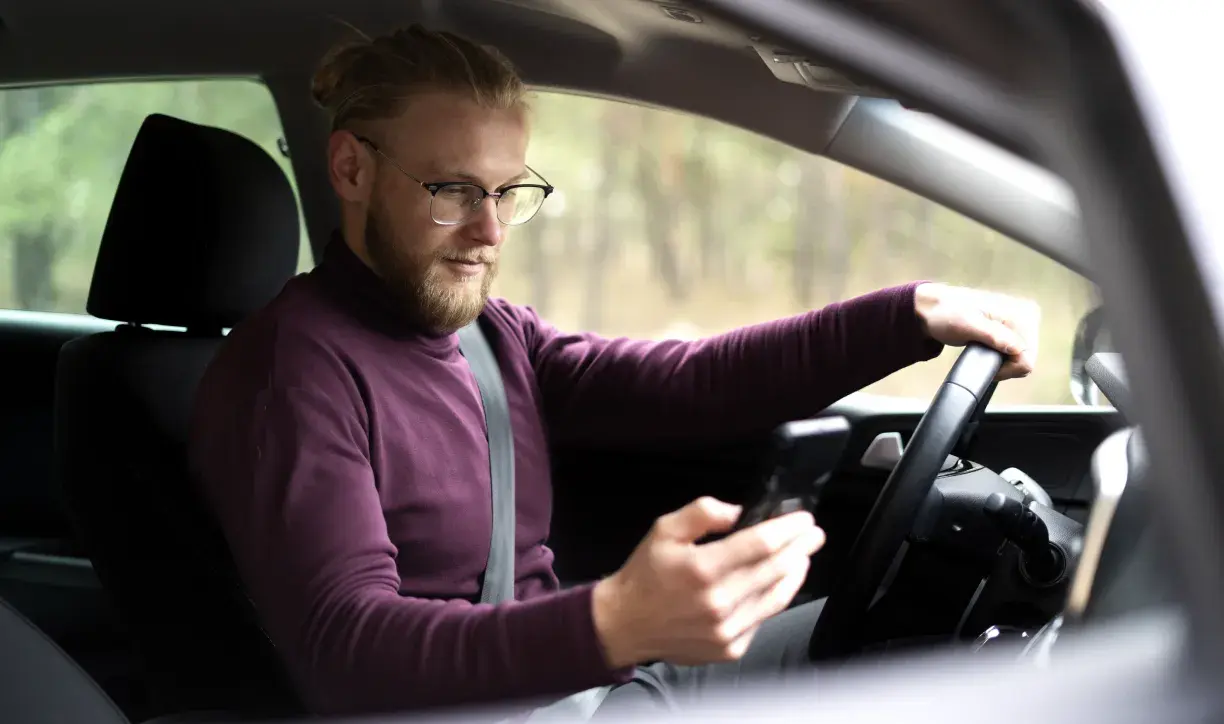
[{"x": 420, "y": 282}]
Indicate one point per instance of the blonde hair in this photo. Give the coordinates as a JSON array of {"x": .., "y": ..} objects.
[{"x": 370, "y": 78}]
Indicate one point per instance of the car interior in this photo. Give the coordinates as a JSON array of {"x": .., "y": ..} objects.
[{"x": 113, "y": 577}]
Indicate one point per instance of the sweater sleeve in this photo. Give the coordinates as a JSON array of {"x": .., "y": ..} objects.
[
  {"x": 305, "y": 524},
  {"x": 608, "y": 391}
]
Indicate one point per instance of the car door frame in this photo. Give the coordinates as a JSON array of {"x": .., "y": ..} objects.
[{"x": 1144, "y": 225}]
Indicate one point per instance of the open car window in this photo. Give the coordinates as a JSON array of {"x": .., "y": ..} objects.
[
  {"x": 666, "y": 225},
  {"x": 62, "y": 151}
]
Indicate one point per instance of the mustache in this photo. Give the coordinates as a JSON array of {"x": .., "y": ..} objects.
[{"x": 472, "y": 257}]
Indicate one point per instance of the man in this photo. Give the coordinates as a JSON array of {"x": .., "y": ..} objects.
[{"x": 339, "y": 435}]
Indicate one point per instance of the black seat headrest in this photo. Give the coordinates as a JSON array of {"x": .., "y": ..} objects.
[{"x": 203, "y": 230}]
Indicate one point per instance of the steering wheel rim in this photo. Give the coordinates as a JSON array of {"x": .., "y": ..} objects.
[{"x": 957, "y": 404}]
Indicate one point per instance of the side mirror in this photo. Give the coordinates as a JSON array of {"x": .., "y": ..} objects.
[{"x": 1091, "y": 337}]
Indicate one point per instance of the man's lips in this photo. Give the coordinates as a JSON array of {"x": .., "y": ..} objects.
[
  {"x": 466, "y": 266},
  {"x": 468, "y": 260}
]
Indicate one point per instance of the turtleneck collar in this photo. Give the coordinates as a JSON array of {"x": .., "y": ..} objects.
[{"x": 367, "y": 296}]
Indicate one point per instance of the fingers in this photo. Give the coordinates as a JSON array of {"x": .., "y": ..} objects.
[
  {"x": 751, "y": 580},
  {"x": 1001, "y": 334},
  {"x": 698, "y": 519},
  {"x": 743, "y": 598},
  {"x": 1016, "y": 367},
  {"x": 774, "y": 586},
  {"x": 1022, "y": 321},
  {"x": 1019, "y": 363},
  {"x": 754, "y": 544},
  {"x": 1007, "y": 324},
  {"x": 727, "y": 602},
  {"x": 740, "y": 645}
]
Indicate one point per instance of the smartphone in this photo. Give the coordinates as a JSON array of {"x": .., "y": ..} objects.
[{"x": 804, "y": 455}]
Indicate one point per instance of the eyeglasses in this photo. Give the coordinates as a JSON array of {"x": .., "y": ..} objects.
[{"x": 453, "y": 202}]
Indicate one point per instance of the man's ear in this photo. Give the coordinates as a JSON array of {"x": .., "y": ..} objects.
[{"x": 350, "y": 167}]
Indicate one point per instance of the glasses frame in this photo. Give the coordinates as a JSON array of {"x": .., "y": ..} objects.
[{"x": 433, "y": 187}]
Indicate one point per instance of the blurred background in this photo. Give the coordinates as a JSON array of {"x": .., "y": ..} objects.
[{"x": 663, "y": 225}]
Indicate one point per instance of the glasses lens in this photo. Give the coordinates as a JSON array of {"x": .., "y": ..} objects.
[
  {"x": 519, "y": 204},
  {"x": 455, "y": 202}
]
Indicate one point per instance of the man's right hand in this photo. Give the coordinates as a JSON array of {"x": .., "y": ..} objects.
[{"x": 685, "y": 603}]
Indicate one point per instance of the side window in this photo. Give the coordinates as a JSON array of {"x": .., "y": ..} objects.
[
  {"x": 62, "y": 150},
  {"x": 672, "y": 226}
]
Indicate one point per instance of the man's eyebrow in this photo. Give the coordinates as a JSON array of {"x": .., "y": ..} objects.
[{"x": 459, "y": 175}]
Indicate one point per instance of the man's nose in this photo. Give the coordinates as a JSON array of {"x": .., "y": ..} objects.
[{"x": 488, "y": 230}]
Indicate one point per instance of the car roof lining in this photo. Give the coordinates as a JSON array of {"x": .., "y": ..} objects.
[{"x": 612, "y": 49}]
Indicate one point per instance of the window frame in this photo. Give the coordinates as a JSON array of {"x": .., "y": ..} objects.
[{"x": 278, "y": 149}]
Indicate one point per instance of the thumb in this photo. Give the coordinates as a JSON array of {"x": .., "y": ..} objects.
[{"x": 698, "y": 519}]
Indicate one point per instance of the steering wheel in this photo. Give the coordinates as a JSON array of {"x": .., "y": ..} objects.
[{"x": 959, "y": 403}]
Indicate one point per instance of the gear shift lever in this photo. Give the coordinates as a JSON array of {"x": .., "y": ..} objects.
[{"x": 1042, "y": 563}]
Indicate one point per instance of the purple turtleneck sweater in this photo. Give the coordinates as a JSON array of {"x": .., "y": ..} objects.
[{"x": 345, "y": 457}]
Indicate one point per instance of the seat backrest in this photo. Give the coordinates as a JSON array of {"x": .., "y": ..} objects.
[
  {"x": 40, "y": 684},
  {"x": 203, "y": 230}
]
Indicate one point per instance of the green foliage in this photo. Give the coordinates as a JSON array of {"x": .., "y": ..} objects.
[{"x": 62, "y": 150}]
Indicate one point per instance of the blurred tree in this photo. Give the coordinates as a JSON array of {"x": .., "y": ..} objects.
[
  {"x": 657, "y": 172},
  {"x": 34, "y": 220},
  {"x": 62, "y": 151}
]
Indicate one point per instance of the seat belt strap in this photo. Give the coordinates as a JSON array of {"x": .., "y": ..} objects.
[{"x": 498, "y": 583}]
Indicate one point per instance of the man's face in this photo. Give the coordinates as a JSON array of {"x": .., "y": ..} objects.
[{"x": 441, "y": 273}]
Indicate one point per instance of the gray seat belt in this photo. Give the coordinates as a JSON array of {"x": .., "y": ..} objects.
[{"x": 498, "y": 583}]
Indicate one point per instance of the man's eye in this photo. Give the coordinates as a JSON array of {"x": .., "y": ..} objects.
[{"x": 454, "y": 192}]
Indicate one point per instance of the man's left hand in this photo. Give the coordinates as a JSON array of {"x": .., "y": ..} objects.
[{"x": 957, "y": 316}]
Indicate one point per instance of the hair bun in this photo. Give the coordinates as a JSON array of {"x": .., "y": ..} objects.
[
  {"x": 364, "y": 78},
  {"x": 331, "y": 78}
]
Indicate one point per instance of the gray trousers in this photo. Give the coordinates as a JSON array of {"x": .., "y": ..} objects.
[{"x": 779, "y": 647}]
